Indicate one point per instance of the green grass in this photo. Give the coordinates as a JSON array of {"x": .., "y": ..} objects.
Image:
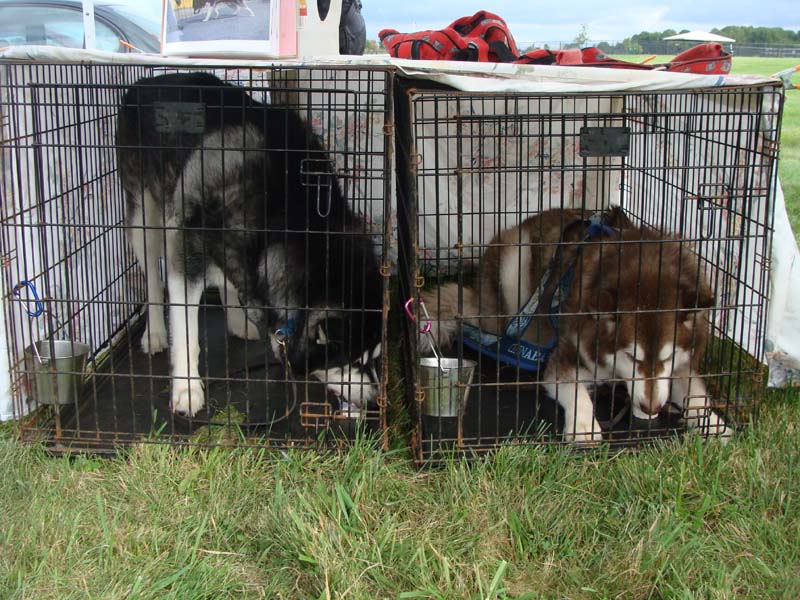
[
  {"x": 683, "y": 519},
  {"x": 789, "y": 165}
]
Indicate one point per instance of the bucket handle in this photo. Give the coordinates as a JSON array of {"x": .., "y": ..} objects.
[
  {"x": 425, "y": 329},
  {"x": 33, "y": 314}
]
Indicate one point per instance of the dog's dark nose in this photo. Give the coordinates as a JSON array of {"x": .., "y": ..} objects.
[{"x": 650, "y": 409}]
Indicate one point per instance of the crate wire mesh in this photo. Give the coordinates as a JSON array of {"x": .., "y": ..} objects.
[
  {"x": 64, "y": 230},
  {"x": 697, "y": 164}
]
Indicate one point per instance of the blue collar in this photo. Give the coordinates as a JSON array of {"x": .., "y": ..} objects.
[{"x": 288, "y": 329}]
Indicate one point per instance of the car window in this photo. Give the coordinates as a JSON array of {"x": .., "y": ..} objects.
[{"x": 52, "y": 26}]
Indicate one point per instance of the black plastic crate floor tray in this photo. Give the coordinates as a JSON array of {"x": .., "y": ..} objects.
[
  {"x": 128, "y": 396},
  {"x": 504, "y": 406}
]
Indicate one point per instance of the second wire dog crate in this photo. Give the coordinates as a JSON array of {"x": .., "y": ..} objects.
[{"x": 699, "y": 164}]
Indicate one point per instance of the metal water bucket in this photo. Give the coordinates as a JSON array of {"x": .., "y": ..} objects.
[
  {"x": 445, "y": 382},
  {"x": 56, "y": 378}
]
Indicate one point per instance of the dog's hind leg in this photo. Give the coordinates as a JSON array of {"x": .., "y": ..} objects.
[
  {"x": 689, "y": 393},
  {"x": 236, "y": 315},
  {"x": 247, "y": 8},
  {"x": 187, "y": 389},
  {"x": 146, "y": 234}
]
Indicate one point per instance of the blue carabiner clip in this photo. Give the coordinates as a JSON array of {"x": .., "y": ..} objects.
[{"x": 39, "y": 306}]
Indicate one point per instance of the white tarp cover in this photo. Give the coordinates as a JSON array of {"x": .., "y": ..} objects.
[
  {"x": 783, "y": 334},
  {"x": 699, "y": 36},
  {"x": 466, "y": 76}
]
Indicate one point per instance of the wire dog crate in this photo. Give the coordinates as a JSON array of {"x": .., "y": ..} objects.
[
  {"x": 272, "y": 195},
  {"x": 553, "y": 245}
]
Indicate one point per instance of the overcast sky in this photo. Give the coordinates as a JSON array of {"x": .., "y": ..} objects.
[
  {"x": 547, "y": 20},
  {"x": 559, "y": 20}
]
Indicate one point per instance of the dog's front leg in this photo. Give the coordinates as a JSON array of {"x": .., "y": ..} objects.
[
  {"x": 580, "y": 424},
  {"x": 187, "y": 388},
  {"x": 146, "y": 234},
  {"x": 689, "y": 393}
]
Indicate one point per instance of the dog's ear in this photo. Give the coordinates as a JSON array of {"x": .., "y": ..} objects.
[
  {"x": 616, "y": 217},
  {"x": 696, "y": 298},
  {"x": 331, "y": 331},
  {"x": 322, "y": 337},
  {"x": 696, "y": 295}
]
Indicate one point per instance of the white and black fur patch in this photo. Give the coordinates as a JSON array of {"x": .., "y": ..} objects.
[{"x": 228, "y": 206}]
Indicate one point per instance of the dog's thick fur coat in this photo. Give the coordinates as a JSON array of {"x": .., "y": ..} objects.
[
  {"x": 214, "y": 182},
  {"x": 636, "y": 311}
]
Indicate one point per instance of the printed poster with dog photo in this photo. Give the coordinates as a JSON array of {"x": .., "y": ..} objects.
[{"x": 253, "y": 28}]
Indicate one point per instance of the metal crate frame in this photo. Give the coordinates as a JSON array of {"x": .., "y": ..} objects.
[
  {"x": 698, "y": 143},
  {"x": 60, "y": 183}
]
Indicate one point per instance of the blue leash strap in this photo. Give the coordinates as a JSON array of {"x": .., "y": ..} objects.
[
  {"x": 510, "y": 348},
  {"x": 505, "y": 349}
]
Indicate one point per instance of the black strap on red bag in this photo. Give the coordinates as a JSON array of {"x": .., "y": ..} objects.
[
  {"x": 485, "y": 37},
  {"x": 441, "y": 44},
  {"x": 493, "y": 30}
]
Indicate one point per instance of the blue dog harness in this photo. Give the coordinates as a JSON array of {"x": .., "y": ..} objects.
[{"x": 510, "y": 348}]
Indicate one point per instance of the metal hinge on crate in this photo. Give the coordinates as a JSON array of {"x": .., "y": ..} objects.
[
  {"x": 315, "y": 415},
  {"x": 6, "y": 260},
  {"x": 771, "y": 148}
]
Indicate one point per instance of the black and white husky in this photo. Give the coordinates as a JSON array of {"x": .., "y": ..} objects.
[{"x": 220, "y": 185}]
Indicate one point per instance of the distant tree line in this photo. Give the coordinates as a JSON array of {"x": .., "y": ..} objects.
[{"x": 648, "y": 42}]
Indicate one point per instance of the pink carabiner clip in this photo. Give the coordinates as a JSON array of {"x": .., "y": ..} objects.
[{"x": 407, "y": 306}]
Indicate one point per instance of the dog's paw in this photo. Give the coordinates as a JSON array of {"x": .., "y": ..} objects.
[
  {"x": 709, "y": 424},
  {"x": 583, "y": 432},
  {"x": 154, "y": 340},
  {"x": 724, "y": 433},
  {"x": 239, "y": 326},
  {"x": 187, "y": 397},
  {"x": 351, "y": 411},
  {"x": 349, "y": 384}
]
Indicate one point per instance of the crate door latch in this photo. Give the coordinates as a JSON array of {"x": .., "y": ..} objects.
[{"x": 318, "y": 173}]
